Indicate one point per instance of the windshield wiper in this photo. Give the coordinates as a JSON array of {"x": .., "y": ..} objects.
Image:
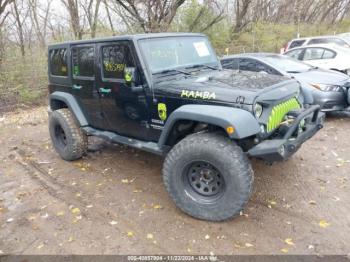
[
  {"x": 200, "y": 65},
  {"x": 172, "y": 70}
]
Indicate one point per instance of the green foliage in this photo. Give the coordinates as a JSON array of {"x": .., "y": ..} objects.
[
  {"x": 23, "y": 80},
  {"x": 193, "y": 17},
  {"x": 271, "y": 37},
  {"x": 27, "y": 96},
  {"x": 196, "y": 17}
]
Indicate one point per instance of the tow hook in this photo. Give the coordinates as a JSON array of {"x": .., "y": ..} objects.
[{"x": 291, "y": 148}]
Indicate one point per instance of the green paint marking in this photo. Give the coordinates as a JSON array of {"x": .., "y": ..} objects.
[
  {"x": 279, "y": 112},
  {"x": 162, "y": 111}
]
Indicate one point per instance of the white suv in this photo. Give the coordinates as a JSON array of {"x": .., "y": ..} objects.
[{"x": 333, "y": 39}]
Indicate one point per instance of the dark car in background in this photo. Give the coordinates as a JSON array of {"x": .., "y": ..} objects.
[{"x": 329, "y": 88}]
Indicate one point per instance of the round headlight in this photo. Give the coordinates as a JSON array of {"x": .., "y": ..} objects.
[{"x": 258, "y": 110}]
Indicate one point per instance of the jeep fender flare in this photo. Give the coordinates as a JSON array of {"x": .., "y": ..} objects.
[
  {"x": 71, "y": 103},
  {"x": 243, "y": 122}
]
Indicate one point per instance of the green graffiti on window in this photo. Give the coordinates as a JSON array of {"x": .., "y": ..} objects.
[
  {"x": 76, "y": 70},
  {"x": 113, "y": 67}
]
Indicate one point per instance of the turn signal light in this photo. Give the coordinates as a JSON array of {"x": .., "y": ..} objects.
[{"x": 230, "y": 130}]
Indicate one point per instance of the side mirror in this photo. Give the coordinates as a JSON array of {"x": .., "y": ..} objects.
[{"x": 130, "y": 75}]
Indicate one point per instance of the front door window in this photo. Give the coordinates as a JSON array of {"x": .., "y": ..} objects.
[{"x": 115, "y": 58}]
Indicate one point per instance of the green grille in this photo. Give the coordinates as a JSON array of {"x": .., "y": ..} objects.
[{"x": 279, "y": 111}]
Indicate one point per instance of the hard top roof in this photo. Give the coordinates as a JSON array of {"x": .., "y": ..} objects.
[
  {"x": 318, "y": 37},
  {"x": 124, "y": 37},
  {"x": 330, "y": 46}
]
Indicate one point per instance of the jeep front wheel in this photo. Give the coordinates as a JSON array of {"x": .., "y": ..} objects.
[
  {"x": 208, "y": 176},
  {"x": 67, "y": 138}
]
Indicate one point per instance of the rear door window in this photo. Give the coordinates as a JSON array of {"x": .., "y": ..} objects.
[
  {"x": 261, "y": 67},
  {"x": 246, "y": 64},
  {"x": 83, "y": 58},
  {"x": 328, "y": 54},
  {"x": 296, "y": 43},
  {"x": 295, "y": 53},
  {"x": 230, "y": 63},
  {"x": 313, "y": 53},
  {"x": 58, "y": 62}
]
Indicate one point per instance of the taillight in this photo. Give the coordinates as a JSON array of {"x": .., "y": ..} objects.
[{"x": 284, "y": 48}]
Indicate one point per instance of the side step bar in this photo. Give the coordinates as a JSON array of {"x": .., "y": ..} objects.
[{"x": 151, "y": 147}]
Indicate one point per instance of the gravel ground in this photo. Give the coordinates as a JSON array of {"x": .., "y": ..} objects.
[{"x": 113, "y": 200}]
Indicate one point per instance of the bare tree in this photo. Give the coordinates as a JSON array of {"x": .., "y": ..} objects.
[
  {"x": 91, "y": 10},
  {"x": 3, "y": 15},
  {"x": 345, "y": 11},
  {"x": 331, "y": 11},
  {"x": 151, "y": 15},
  {"x": 241, "y": 14},
  {"x": 216, "y": 9},
  {"x": 72, "y": 7},
  {"x": 19, "y": 21},
  {"x": 109, "y": 16},
  {"x": 120, "y": 12},
  {"x": 3, "y": 12},
  {"x": 40, "y": 16}
]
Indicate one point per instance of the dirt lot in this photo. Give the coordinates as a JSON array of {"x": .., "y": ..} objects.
[{"x": 113, "y": 201}]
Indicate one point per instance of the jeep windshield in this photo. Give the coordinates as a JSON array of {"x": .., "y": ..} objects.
[{"x": 167, "y": 54}]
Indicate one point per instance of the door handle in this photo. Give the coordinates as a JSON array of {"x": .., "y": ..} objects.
[
  {"x": 136, "y": 89},
  {"x": 77, "y": 87},
  {"x": 105, "y": 90}
]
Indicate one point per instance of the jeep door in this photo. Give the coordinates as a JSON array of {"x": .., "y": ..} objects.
[
  {"x": 83, "y": 83},
  {"x": 125, "y": 111}
]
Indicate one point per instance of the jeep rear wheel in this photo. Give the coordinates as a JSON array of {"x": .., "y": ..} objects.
[
  {"x": 208, "y": 176},
  {"x": 67, "y": 138}
]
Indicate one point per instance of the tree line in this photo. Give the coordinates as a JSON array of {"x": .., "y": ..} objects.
[
  {"x": 31, "y": 22},
  {"x": 234, "y": 26}
]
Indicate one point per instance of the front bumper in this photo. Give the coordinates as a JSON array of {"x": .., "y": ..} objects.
[
  {"x": 330, "y": 101},
  {"x": 280, "y": 149}
]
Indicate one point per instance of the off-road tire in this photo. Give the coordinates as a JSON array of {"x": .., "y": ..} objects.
[
  {"x": 227, "y": 158},
  {"x": 75, "y": 141}
]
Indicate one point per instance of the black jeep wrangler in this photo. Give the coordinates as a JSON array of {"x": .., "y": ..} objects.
[{"x": 168, "y": 94}]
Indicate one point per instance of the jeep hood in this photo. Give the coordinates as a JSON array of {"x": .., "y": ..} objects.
[{"x": 230, "y": 86}]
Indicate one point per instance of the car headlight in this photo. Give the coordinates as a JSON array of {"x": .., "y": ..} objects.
[
  {"x": 258, "y": 110},
  {"x": 327, "y": 88}
]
